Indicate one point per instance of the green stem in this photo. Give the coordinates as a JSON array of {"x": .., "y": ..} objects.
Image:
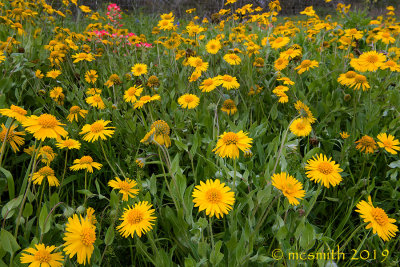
[
  {"x": 313, "y": 200},
  {"x": 234, "y": 174},
  {"x": 211, "y": 232},
  {"x": 65, "y": 170},
  {"x": 105, "y": 156}
]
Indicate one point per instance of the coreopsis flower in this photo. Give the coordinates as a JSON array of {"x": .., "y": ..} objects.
[
  {"x": 131, "y": 94},
  {"x": 232, "y": 59},
  {"x": 140, "y": 162},
  {"x": 39, "y": 74},
  {"x": 290, "y": 53},
  {"x": 153, "y": 81},
  {"x": 229, "y": 82},
  {"x": 165, "y": 25},
  {"x": 47, "y": 154},
  {"x": 53, "y": 74},
  {"x": 139, "y": 69},
  {"x": 195, "y": 76},
  {"x": 368, "y": 61},
  {"x": 360, "y": 81},
  {"x": 198, "y": 64},
  {"x": 289, "y": 186},
  {"x": 300, "y": 127},
  {"x": 57, "y": 95},
  {"x": 385, "y": 37},
  {"x": 213, "y": 46},
  {"x": 95, "y": 101},
  {"x": 344, "y": 135},
  {"x": 306, "y": 65},
  {"x": 388, "y": 142},
  {"x": 229, "y": 143},
  {"x": 68, "y": 144},
  {"x": 98, "y": 129},
  {"x": 126, "y": 188},
  {"x": 13, "y": 137},
  {"x": 258, "y": 62},
  {"x": 45, "y": 172},
  {"x": 137, "y": 219},
  {"x": 322, "y": 170},
  {"x": 210, "y": 84},
  {"x": 213, "y": 197},
  {"x": 90, "y": 215},
  {"x": 85, "y": 163},
  {"x": 79, "y": 238},
  {"x": 83, "y": 56},
  {"x": 304, "y": 111},
  {"x": 161, "y": 133},
  {"x": 229, "y": 107},
  {"x": 93, "y": 91},
  {"x": 347, "y": 78},
  {"x": 189, "y": 101},
  {"x": 391, "y": 65},
  {"x": 281, "y": 63},
  {"x": 377, "y": 219},
  {"x": 44, "y": 126},
  {"x": 75, "y": 112},
  {"x": 41, "y": 256},
  {"x": 286, "y": 81},
  {"x": 145, "y": 99},
  {"x": 366, "y": 144},
  {"x": 279, "y": 91},
  {"x": 91, "y": 76},
  {"x": 280, "y": 42}
]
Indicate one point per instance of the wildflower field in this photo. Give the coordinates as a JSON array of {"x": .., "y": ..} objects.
[{"x": 244, "y": 138}]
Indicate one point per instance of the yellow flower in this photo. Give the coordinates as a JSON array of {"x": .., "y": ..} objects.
[
  {"x": 131, "y": 94},
  {"x": 369, "y": 61},
  {"x": 13, "y": 137},
  {"x": 145, "y": 99},
  {"x": 85, "y": 9},
  {"x": 377, "y": 219},
  {"x": 68, "y": 144},
  {"x": 39, "y": 74},
  {"x": 229, "y": 107},
  {"x": 85, "y": 163},
  {"x": 281, "y": 63},
  {"x": 53, "y": 74},
  {"x": 45, "y": 172},
  {"x": 366, "y": 143},
  {"x": 388, "y": 142},
  {"x": 347, "y": 78},
  {"x": 213, "y": 197},
  {"x": 392, "y": 65},
  {"x": 344, "y": 135},
  {"x": 213, "y": 46},
  {"x": 229, "y": 82},
  {"x": 290, "y": 53},
  {"x": 198, "y": 63},
  {"x": 140, "y": 162},
  {"x": 165, "y": 25},
  {"x": 44, "y": 126},
  {"x": 93, "y": 91},
  {"x": 306, "y": 65},
  {"x": 228, "y": 144},
  {"x": 359, "y": 81},
  {"x": 91, "y": 76},
  {"x": 79, "y": 238},
  {"x": 161, "y": 131},
  {"x": 210, "y": 84},
  {"x": 113, "y": 80},
  {"x": 189, "y": 101},
  {"x": 139, "y": 69},
  {"x": 126, "y": 188},
  {"x": 41, "y": 256},
  {"x": 300, "y": 127},
  {"x": 95, "y": 101},
  {"x": 280, "y": 42},
  {"x": 57, "y": 95},
  {"x": 289, "y": 186},
  {"x": 232, "y": 59},
  {"x": 137, "y": 219},
  {"x": 75, "y": 112},
  {"x": 304, "y": 111},
  {"x": 98, "y": 129},
  {"x": 323, "y": 170},
  {"x": 83, "y": 56}
]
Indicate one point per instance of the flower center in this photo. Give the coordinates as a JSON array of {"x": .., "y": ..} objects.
[
  {"x": 213, "y": 196},
  {"x": 134, "y": 217},
  {"x": 88, "y": 236},
  {"x": 86, "y": 160},
  {"x": 42, "y": 256},
  {"x": 46, "y": 171},
  {"x": 372, "y": 58},
  {"x": 385, "y": 35},
  {"x": 379, "y": 216},
  {"x": 47, "y": 121},
  {"x": 289, "y": 189},
  {"x": 161, "y": 127},
  {"x": 208, "y": 82},
  {"x": 74, "y": 109},
  {"x": 132, "y": 92},
  {"x": 306, "y": 63},
  {"x": 229, "y": 104},
  {"x": 96, "y": 127},
  {"x": 124, "y": 186},
  {"x": 350, "y": 74},
  {"x": 325, "y": 168},
  {"x": 18, "y": 110},
  {"x": 189, "y": 99},
  {"x": 227, "y": 78},
  {"x": 230, "y": 138},
  {"x": 145, "y": 98},
  {"x": 360, "y": 79}
]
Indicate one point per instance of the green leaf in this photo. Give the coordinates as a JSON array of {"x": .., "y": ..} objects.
[
  {"x": 42, "y": 220},
  {"x": 28, "y": 210},
  {"x": 8, "y": 242},
  {"x": 307, "y": 238},
  {"x": 109, "y": 238},
  {"x": 10, "y": 182},
  {"x": 216, "y": 256},
  {"x": 14, "y": 203}
]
